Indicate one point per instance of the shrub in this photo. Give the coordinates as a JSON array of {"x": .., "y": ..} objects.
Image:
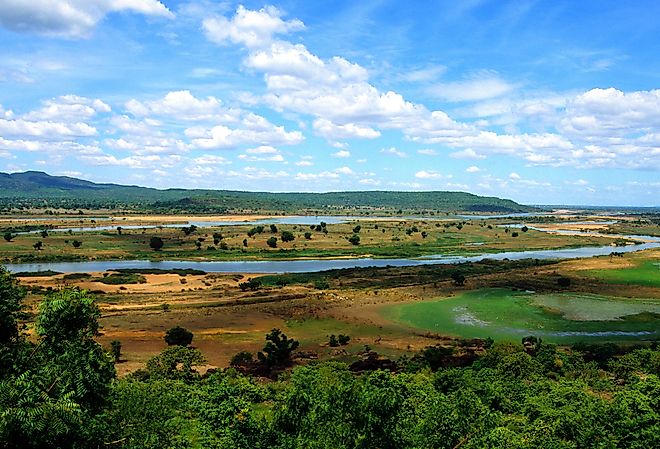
[{"x": 178, "y": 336}]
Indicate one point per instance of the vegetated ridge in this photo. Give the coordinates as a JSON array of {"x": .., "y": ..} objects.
[{"x": 38, "y": 189}]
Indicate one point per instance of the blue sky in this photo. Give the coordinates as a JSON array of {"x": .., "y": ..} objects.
[{"x": 544, "y": 102}]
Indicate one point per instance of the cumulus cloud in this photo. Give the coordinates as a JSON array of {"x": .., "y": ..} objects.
[
  {"x": 394, "y": 152},
  {"x": 342, "y": 153},
  {"x": 183, "y": 105},
  {"x": 472, "y": 169},
  {"x": 329, "y": 130},
  {"x": 250, "y": 28},
  {"x": 430, "y": 174},
  {"x": 70, "y": 18}
]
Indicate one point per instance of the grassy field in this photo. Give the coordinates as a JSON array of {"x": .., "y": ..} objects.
[
  {"x": 384, "y": 239},
  {"x": 645, "y": 273},
  {"x": 509, "y": 315}
]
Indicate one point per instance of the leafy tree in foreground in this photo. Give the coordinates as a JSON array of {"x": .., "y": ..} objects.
[{"x": 287, "y": 236}]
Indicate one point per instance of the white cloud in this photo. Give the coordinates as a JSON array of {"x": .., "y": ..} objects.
[
  {"x": 45, "y": 129},
  {"x": 394, "y": 152},
  {"x": 514, "y": 175},
  {"x": 344, "y": 171},
  {"x": 68, "y": 108},
  {"x": 184, "y": 106},
  {"x": 369, "y": 182},
  {"x": 211, "y": 159},
  {"x": 472, "y": 169},
  {"x": 304, "y": 163},
  {"x": 342, "y": 153},
  {"x": 250, "y": 28},
  {"x": 467, "y": 153},
  {"x": 70, "y": 18},
  {"x": 430, "y": 174},
  {"x": 329, "y": 130},
  {"x": 254, "y": 130},
  {"x": 264, "y": 153},
  {"x": 427, "y": 152},
  {"x": 482, "y": 86}
]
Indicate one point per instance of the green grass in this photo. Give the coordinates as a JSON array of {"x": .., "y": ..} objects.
[
  {"x": 645, "y": 274},
  {"x": 507, "y": 315}
]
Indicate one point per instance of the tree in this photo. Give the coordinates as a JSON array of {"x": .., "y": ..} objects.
[
  {"x": 343, "y": 339},
  {"x": 524, "y": 229},
  {"x": 287, "y": 236},
  {"x": 198, "y": 244},
  {"x": 43, "y": 233},
  {"x": 245, "y": 242},
  {"x": 189, "y": 229},
  {"x": 308, "y": 235},
  {"x": 115, "y": 350},
  {"x": 176, "y": 362},
  {"x": 250, "y": 284},
  {"x": 11, "y": 299},
  {"x": 119, "y": 229},
  {"x": 217, "y": 237},
  {"x": 333, "y": 342},
  {"x": 76, "y": 243},
  {"x": 278, "y": 349},
  {"x": 9, "y": 236},
  {"x": 38, "y": 245},
  {"x": 458, "y": 278},
  {"x": 273, "y": 229},
  {"x": 156, "y": 243},
  {"x": 357, "y": 229},
  {"x": 178, "y": 336},
  {"x": 354, "y": 239},
  {"x": 272, "y": 242}
]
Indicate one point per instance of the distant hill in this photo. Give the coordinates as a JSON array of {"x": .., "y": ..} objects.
[{"x": 38, "y": 189}]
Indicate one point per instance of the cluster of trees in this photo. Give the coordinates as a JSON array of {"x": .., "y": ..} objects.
[{"x": 60, "y": 390}]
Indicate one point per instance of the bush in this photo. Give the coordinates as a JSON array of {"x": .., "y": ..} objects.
[
  {"x": 115, "y": 349},
  {"x": 287, "y": 236},
  {"x": 250, "y": 284},
  {"x": 354, "y": 239},
  {"x": 156, "y": 243},
  {"x": 343, "y": 339},
  {"x": 241, "y": 358},
  {"x": 272, "y": 242},
  {"x": 178, "y": 336}
]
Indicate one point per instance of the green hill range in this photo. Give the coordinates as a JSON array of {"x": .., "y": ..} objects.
[{"x": 38, "y": 189}]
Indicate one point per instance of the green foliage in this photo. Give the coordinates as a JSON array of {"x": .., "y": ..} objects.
[
  {"x": 251, "y": 284},
  {"x": 278, "y": 349},
  {"x": 287, "y": 236},
  {"x": 354, "y": 239},
  {"x": 458, "y": 278},
  {"x": 272, "y": 242},
  {"x": 68, "y": 315},
  {"x": 11, "y": 305},
  {"x": 175, "y": 362},
  {"x": 156, "y": 243},
  {"x": 178, "y": 336},
  {"x": 115, "y": 350}
]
